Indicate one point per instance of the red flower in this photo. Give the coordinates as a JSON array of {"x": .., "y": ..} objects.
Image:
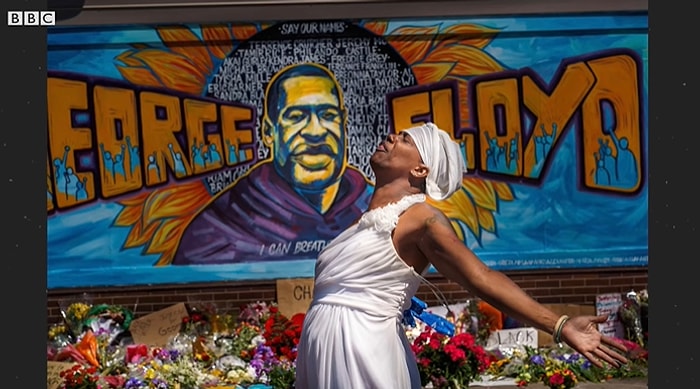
[
  {"x": 463, "y": 339},
  {"x": 282, "y": 334},
  {"x": 417, "y": 348},
  {"x": 79, "y": 377},
  {"x": 435, "y": 342},
  {"x": 298, "y": 319},
  {"x": 425, "y": 362},
  {"x": 455, "y": 353},
  {"x": 556, "y": 379},
  {"x": 442, "y": 360},
  {"x": 136, "y": 352}
]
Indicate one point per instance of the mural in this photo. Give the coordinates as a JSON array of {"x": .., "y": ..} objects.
[{"x": 198, "y": 153}]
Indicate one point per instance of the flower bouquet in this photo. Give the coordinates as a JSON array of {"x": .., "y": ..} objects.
[
  {"x": 644, "y": 310},
  {"x": 554, "y": 366},
  {"x": 242, "y": 340},
  {"x": 468, "y": 319},
  {"x": 74, "y": 311},
  {"x": 559, "y": 378},
  {"x": 553, "y": 370},
  {"x": 215, "y": 314},
  {"x": 282, "y": 334},
  {"x": 255, "y": 313},
  {"x": 449, "y": 362},
  {"x": 58, "y": 337},
  {"x": 631, "y": 316},
  {"x": 80, "y": 377},
  {"x": 110, "y": 322}
]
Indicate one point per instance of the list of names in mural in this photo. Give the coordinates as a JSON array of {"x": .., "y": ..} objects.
[
  {"x": 367, "y": 74},
  {"x": 362, "y": 65}
]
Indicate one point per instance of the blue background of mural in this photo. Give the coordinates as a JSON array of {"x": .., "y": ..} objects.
[{"x": 552, "y": 226}]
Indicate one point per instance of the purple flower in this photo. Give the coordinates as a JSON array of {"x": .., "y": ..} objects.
[
  {"x": 258, "y": 365},
  {"x": 133, "y": 383},
  {"x": 163, "y": 355},
  {"x": 159, "y": 384},
  {"x": 537, "y": 360}
]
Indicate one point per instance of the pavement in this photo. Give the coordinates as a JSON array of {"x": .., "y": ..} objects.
[{"x": 630, "y": 383}]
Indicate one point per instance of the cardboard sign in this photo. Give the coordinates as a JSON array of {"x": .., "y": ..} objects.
[
  {"x": 158, "y": 328},
  {"x": 515, "y": 337},
  {"x": 53, "y": 371},
  {"x": 609, "y": 304},
  {"x": 294, "y": 295}
]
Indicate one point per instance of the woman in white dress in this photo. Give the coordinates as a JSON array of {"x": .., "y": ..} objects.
[{"x": 364, "y": 279}]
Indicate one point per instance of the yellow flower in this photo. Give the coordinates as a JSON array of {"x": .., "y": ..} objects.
[
  {"x": 78, "y": 310},
  {"x": 56, "y": 330}
]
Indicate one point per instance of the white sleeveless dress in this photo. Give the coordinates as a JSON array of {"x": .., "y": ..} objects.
[{"x": 352, "y": 335}]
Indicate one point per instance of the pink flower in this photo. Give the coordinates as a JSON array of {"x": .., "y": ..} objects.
[{"x": 115, "y": 381}]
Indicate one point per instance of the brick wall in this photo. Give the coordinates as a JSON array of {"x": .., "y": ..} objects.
[{"x": 548, "y": 287}]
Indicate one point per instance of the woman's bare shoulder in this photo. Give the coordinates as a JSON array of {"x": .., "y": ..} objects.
[{"x": 426, "y": 215}]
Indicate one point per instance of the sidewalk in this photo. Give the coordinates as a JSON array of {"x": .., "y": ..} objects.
[{"x": 632, "y": 383}]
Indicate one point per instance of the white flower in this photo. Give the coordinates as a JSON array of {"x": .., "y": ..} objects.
[
  {"x": 250, "y": 371},
  {"x": 258, "y": 340},
  {"x": 239, "y": 375},
  {"x": 228, "y": 362}
]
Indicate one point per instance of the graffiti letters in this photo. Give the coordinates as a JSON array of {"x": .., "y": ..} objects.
[
  {"x": 108, "y": 139},
  {"x": 519, "y": 121}
]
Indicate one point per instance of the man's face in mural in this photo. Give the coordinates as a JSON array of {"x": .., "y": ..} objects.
[{"x": 308, "y": 132}]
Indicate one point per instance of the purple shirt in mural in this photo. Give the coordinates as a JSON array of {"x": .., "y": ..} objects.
[{"x": 263, "y": 218}]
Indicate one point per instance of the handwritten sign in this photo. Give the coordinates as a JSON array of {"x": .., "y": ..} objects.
[
  {"x": 609, "y": 304},
  {"x": 514, "y": 337},
  {"x": 158, "y": 328},
  {"x": 53, "y": 371},
  {"x": 294, "y": 295}
]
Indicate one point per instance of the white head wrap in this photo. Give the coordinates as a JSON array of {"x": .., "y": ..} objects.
[{"x": 444, "y": 158}]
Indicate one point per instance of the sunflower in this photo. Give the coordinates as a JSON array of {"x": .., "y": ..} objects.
[{"x": 185, "y": 62}]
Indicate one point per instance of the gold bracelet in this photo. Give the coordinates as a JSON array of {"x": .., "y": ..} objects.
[{"x": 558, "y": 327}]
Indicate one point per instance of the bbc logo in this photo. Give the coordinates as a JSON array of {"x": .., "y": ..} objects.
[{"x": 31, "y": 18}]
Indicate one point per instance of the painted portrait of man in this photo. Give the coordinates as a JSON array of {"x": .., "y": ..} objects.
[{"x": 290, "y": 205}]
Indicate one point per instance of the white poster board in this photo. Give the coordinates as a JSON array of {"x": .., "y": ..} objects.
[{"x": 609, "y": 304}]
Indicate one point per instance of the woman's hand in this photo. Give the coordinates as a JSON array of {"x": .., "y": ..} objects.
[{"x": 581, "y": 333}]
